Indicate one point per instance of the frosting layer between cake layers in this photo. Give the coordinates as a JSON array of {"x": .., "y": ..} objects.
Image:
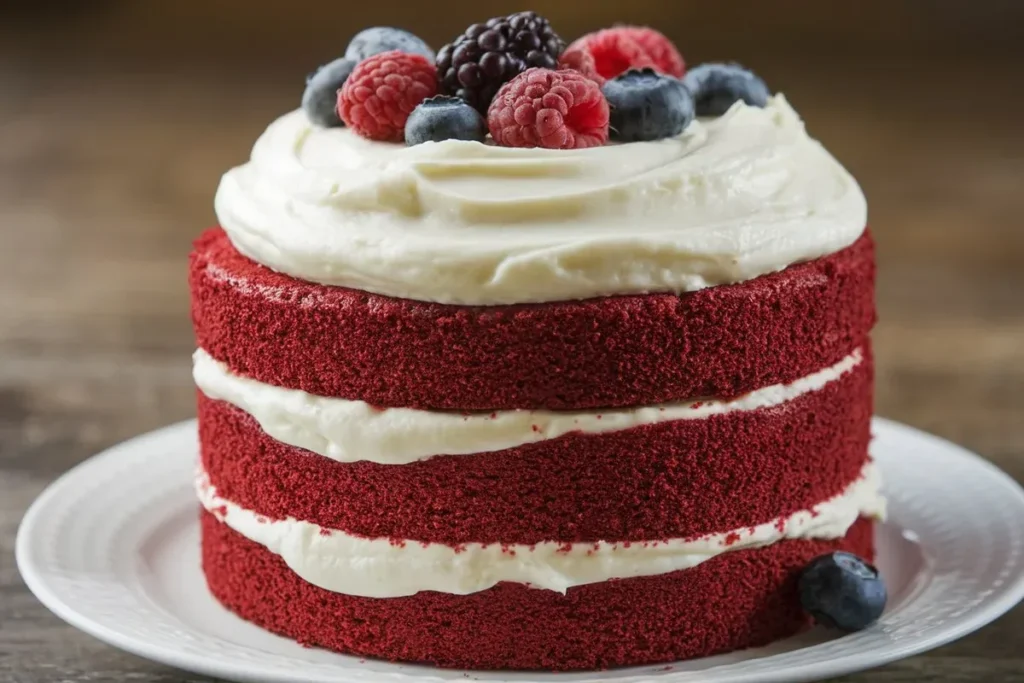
[
  {"x": 350, "y": 431},
  {"x": 387, "y": 568},
  {"x": 728, "y": 200}
]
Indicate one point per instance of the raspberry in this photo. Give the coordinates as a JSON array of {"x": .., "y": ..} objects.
[
  {"x": 616, "y": 50},
  {"x": 581, "y": 60},
  {"x": 661, "y": 50},
  {"x": 382, "y": 91},
  {"x": 553, "y": 109}
]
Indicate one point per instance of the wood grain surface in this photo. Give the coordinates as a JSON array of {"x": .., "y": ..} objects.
[{"x": 109, "y": 160}]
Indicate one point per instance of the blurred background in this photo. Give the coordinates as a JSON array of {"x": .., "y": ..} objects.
[{"x": 117, "y": 118}]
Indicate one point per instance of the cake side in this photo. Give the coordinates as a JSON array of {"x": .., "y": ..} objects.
[{"x": 572, "y": 523}]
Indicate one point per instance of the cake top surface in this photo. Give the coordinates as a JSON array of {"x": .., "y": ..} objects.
[{"x": 728, "y": 199}]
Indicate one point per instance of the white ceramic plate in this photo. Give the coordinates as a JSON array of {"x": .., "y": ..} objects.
[{"x": 112, "y": 547}]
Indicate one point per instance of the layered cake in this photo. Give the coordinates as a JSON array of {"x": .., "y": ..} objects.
[{"x": 532, "y": 395}]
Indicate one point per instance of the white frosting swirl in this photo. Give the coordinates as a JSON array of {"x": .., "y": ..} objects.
[
  {"x": 385, "y": 568},
  {"x": 349, "y": 431},
  {"x": 460, "y": 222}
]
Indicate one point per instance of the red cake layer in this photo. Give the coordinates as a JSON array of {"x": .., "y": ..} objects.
[
  {"x": 618, "y": 351},
  {"x": 670, "y": 480},
  {"x": 739, "y": 599}
]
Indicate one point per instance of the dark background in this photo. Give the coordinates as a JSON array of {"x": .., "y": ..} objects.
[{"x": 118, "y": 117}]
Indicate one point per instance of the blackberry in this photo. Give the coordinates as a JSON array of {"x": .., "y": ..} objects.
[{"x": 488, "y": 55}]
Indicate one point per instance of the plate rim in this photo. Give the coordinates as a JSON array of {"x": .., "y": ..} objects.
[{"x": 34, "y": 577}]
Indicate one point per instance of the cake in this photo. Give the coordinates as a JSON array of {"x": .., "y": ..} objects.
[{"x": 497, "y": 407}]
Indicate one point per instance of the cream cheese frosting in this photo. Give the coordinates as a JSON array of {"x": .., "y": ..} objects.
[
  {"x": 386, "y": 568},
  {"x": 349, "y": 431},
  {"x": 729, "y": 199}
]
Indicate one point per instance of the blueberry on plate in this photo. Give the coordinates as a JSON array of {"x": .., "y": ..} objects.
[
  {"x": 842, "y": 591},
  {"x": 372, "y": 41},
  {"x": 320, "y": 99},
  {"x": 444, "y": 118},
  {"x": 716, "y": 87},
  {"x": 646, "y": 105}
]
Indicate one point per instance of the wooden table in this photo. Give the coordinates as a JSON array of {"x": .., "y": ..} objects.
[{"x": 107, "y": 173}]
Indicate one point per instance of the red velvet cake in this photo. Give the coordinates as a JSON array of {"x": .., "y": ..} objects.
[{"x": 501, "y": 407}]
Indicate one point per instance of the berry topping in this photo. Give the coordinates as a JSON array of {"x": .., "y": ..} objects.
[
  {"x": 373, "y": 41},
  {"x": 616, "y": 50},
  {"x": 580, "y": 60},
  {"x": 545, "y": 108},
  {"x": 646, "y": 105},
  {"x": 382, "y": 91},
  {"x": 320, "y": 99},
  {"x": 716, "y": 87},
  {"x": 444, "y": 118},
  {"x": 486, "y": 56},
  {"x": 842, "y": 591}
]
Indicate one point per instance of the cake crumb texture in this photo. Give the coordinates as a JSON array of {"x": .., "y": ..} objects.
[{"x": 611, "y": 351}]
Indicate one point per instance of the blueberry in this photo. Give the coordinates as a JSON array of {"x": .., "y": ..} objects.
[
  {"x": 379, "y": 39},
  {"x": 646, "y": 105},
  {"x": 444, "y": 118},
  {"x": 716, "y": 87},
  {"x": 842, "y": 591},
  {"x": 320, "y": 99}
]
